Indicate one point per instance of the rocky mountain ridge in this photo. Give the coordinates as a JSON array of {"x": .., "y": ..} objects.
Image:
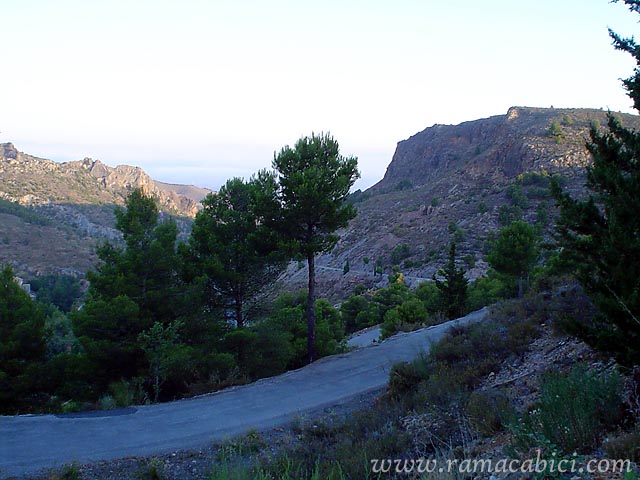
[
  {"x": 54, "y": 213},
  {"x": 499, "y": 147},
  {"x": 452, "y": 182},
  {"x": 446, "y": 182},
  {"x": 31, "y": 180}
]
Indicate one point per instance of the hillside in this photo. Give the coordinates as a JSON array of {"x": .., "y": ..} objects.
[
  {"x": 452, "y": 181},
  {"x": 54, "y": 213},
  {"x": 192, "y": 192},
  {"x": 448, "y": 181}
]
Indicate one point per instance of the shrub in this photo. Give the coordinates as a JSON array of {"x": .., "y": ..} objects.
[
  {"x": 403, "y": 378},
  {"x": 482, "y": 207},
  {"x": 67, "y": 472},
  {"x": 350, "y": 309},
  {"x": 106, "y": 402},
  {"x": 152, "y": 470},
  {"x": 485, "y": 291},
  {"x": 624, "y": 445},
  {"x": 407, "y": 316},
  {"x": 399, "y": 253},
  {"x": 555, "y": 131},
  {"x": 541, "y": 178},
  {"x": 508, "y": 214},
  {"x": 403, "y": 185},
  {"x": 489, "y": 412},
  {"x": 516, "y": 196},
  {"x": 576, "y": 408},
  {"x": 430, "y": 296}
]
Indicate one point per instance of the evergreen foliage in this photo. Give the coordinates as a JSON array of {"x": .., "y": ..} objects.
[
  {"x": 231, "y": 249},
  {"x": 515, "y": 252},
  {"x": 600, "y": 235},
  {"x": 452, "y": 287},
  {"x": 309, "y": 188},
  {"x": 22, "y": 345},
  {"x": 132, "y": 289}
]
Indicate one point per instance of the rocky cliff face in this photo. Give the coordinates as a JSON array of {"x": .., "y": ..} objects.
[
  {"x": 496, "y": 148},
  {"x": 36, "y": 181},
  {"x": 70, "y": 208},
  {"x": 451, "y": 182}
]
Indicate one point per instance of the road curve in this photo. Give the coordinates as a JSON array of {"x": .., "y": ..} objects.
[{"x": 30, "y": 443}]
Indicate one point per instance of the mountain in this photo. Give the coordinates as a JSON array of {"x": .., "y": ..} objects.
[
  {"x": 192, "y": 192},
  {"x": 447, "y": 182},
  {"x": 31, "y": 180},
  {"x": 52, "y": 214},
  {"x": 496, "y": 148},
  {"x": 461, "y": 181}
]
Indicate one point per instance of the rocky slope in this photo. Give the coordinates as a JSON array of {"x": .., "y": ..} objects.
[
  {"x": 36, "y": 181},
  {"x": 446, "y": 182},
  {"x": 53, "y": 213},
  {"x": 497, "y": 148},
  {"x": 452, "y": 181}
]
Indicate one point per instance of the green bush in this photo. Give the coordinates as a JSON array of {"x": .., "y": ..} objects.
[
  {"x": 152, "y": 470},
  {"x": 127, "y": 392},
  {"x": 485, "y": 291},
  {"x": 489, "y": 412},
  {"x": 576, "y": 408},
  {"x": 407, "y": 316},
  {"x": 67, "y": 472},
  {"x": 541, "y": 179},
  {"x": 399, "y": 253},
  {"x": 429, "y": 294},
  {"x": 516, "y": 196},
  {"x": 507, "y": 214},
  {"x": 403, "y": 378},
  {"x": 403, "y": 185},
  {"x": 555, "y": 131},
  {"x": 625, "y": 445}
]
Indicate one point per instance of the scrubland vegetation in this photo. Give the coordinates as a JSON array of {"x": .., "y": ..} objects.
[{"x": 162, "y": 320}]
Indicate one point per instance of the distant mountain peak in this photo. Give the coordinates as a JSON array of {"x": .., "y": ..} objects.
[{"x": 86, "y": 181}]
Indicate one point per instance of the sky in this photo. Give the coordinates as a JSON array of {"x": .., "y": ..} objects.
[{"x": 199, "y": 91}]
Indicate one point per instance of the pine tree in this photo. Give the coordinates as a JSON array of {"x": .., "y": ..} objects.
[
  {"x": 230, "y": 247},
  {"x": 515, "y": 252},
  {"x": 22, "y": 344},
  {"x": 600, "y": 235},
  {"x": 452, "y": 287},
  {"x": 310, "y": 186},
  {"x": 132, "y": 288}
]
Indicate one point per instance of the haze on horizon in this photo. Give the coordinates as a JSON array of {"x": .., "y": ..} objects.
[{"x": 199, "y": 91}]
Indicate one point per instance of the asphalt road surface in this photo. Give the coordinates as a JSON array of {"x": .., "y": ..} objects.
[{"x": 30, "y": 443}]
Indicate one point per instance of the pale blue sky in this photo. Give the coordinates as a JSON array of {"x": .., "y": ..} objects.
[{"x": 197, "y": 91}]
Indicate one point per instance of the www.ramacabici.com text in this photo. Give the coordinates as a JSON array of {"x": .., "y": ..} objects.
[{"x": 503, "y": 465}]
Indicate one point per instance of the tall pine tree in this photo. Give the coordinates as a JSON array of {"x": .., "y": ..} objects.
[
  {"x": 600, "y": 235},
  {"x": 232, "y": 249},
  {"x": 309, "y": 191},
  {"x": 132, "y": 288},
  {"x": 452, "y": 287}
]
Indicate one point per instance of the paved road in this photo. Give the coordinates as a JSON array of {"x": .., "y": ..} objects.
[
  {"x": 31, "y": 443},
  {"x": 365, "y": 338}
]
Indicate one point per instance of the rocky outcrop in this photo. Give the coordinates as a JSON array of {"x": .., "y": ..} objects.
[
  {"x": 496, "y": 148},
  {"x": 452, "y": 182},
  {"x": 36, "y": 181},
  {"x": 69, "y": 207}
]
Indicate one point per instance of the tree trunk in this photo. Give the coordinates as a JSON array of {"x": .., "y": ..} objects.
[
  {"x": 311, "y": 312},
  {"x": 239, "y": 319},
  {"x": 520, "y": 286},
  {"x": 156, "y": 385}
]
